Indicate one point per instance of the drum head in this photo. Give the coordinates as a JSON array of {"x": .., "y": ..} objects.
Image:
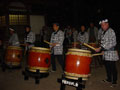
[
  {"x": 78, "y": 50},
  {"x": 40, "y": 48}
]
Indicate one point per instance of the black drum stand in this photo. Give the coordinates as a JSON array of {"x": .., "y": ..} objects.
[
  {"x": 36, "y": 75},
  {"x": 78, "y": 84}
]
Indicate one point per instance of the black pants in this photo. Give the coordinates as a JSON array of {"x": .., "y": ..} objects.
[
  {"x": 111, "y": 71},
  {"x": 60, "y": 60},
  {"x": 2, "y": 60}
]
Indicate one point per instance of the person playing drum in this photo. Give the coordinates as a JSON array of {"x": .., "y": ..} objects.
[
  {"x": 83, "y": 36},
  {"x": 56, "y": 46},
  {"x": 29, "y": 38},
  {"x": 13, "y": 41},
  {"x": 110, "y": 55}
]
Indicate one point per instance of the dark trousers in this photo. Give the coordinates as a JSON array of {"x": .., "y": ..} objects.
[
  {"x": 60, "y": 60},
  {"x": 111, "y": 71},
  {"x": 2, "y": 60}
]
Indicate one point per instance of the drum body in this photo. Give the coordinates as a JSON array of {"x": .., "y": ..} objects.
[
  {"x": 13, "y": 56},
  {"x": 39, "y": 59},
  {"x": 77, "y": 64}
]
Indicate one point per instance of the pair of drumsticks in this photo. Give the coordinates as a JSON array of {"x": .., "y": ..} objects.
[{"x": 85, "y": 44}]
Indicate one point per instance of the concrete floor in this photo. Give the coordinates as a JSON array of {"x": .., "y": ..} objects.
[{"x": 14, "y": 80}]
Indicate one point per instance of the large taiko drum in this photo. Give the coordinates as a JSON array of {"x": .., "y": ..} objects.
[
  {"x": 13, "y": 56},
  {"x": 77, "y": 64},
  {"x": 39, "y": 59}
]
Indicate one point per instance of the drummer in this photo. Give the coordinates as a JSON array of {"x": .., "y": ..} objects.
[
  {"x": 110, "y": 55},
  {"x": 83, "y": 36},
  {"x": 57, "y": 39},
  {"x": 29, "y": 38},
  {"x": 13, "y": 41}
]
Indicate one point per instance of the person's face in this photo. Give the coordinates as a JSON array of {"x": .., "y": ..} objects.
[
  {"x": 11, "y": 32},
  {"x": 27, "y": 29},
  {"x": 104, "y": 26},
  {"x": 91, "y": 25},
  {"x": 55, "y": 27},
  {"x": 82, "y": 28},
  {"x": 73, "y": 29}
]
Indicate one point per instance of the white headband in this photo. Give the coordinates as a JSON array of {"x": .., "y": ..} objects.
[
  {"x": 11, "y": 29},
  {"x": 103, "y": 21}
]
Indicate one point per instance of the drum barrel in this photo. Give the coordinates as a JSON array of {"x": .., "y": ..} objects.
[
  {"x": 13, "y": 56},
  {"x": 39, "y": 60},
  {"x": 77, "y": 64}
]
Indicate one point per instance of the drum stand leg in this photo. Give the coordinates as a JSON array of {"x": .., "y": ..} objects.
[
  {"x": 36, "y": 75},
  {"x": 77, "y": 83},
  {"x": 26, "y": 77}
]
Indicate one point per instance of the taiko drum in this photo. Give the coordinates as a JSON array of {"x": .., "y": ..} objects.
[
  {"x": 77, "y": 64},
  {"x": 13, "y": 56},
  {"x": 39, "y": 59}
]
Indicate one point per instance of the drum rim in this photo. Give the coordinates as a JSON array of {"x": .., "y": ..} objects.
[
  {"x": 40, "y": 48},
  {"x": 14, "y": 47},
  {"x": 79, "y": 50}
]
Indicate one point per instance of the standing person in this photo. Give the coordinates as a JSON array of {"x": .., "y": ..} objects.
[
  {"x": 29, "y": 39},
  {"x": 74, "y": 38},
  {"x": 13, "y": 41},
  {"x": 110, "y": 55},
  {"x": 56, "y": 46},
  {"x": 83, "y": 36},
  {"x": 99, "y": 35},
  {"x": 45, "y": 34},
  {"x": 68, "y": 33},
  {"x": 74, "y": 35},
  {"x": 93, "y": 33}
]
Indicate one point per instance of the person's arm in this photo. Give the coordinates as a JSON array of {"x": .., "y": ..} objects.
[{"x": 110, "y": 41}]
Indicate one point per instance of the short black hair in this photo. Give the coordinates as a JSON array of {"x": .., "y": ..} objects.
[
  {"x": 28, "y": 26},
  {"x": 56, "y": 24}
]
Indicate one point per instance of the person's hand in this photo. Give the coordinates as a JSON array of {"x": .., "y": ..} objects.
[
  {"x": 54, "y": 44},
  {"x": 98, "y": 49}
]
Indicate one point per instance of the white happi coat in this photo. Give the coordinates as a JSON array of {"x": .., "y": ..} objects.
[
  {"x": 83, "y": 39},
  {"x": 75, "y": 34},
  {"x": 30, "y": 39},
  {"x": 57, "y": 37},
  {"x": 108, "y": 43},
  {"x": 14, "y": 41}
]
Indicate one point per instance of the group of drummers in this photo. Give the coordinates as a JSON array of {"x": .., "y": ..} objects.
[{"x": 105, "y": 36}]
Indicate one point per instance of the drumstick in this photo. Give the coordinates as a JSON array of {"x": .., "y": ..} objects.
[
  {"x": 85, "y": 44},
  {"x": 47, "y": 42},
  {"x": 23, "y": 44},
  {"x": 97, "y": 54}
]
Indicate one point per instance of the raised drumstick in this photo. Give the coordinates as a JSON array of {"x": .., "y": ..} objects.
[
  {"x": 47, "y": 42},
  {"x": 85, "y": 44}
]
